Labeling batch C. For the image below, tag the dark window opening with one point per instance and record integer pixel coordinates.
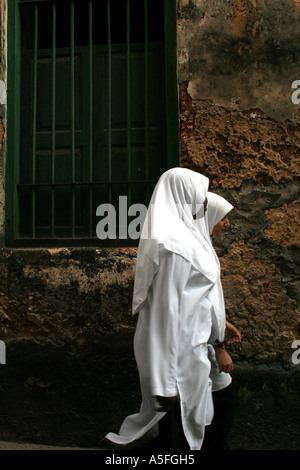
(94, 112)
(138, 12)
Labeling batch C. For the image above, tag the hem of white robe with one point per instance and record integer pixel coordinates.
(123, 440)
(223, 386)
(164, 392)
(207, 423)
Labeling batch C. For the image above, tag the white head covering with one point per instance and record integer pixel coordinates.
(169, 225)
(217, 209)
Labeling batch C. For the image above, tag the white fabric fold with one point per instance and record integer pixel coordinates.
(179, 298)
(170, 346)
(179, 194)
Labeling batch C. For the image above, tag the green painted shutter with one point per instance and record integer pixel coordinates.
(98, 112)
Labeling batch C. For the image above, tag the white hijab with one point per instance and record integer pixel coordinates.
(169, 224)
(217, 209)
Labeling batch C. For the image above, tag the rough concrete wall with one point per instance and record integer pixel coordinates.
(61, 294)
(243, 54)
(237, 60)
(239, 126)
(65, 317)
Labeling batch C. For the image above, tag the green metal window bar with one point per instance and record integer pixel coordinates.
(116, 140)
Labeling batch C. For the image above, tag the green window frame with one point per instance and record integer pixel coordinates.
(92, 114)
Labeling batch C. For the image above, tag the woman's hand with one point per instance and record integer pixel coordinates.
(224, 360)
(232, 333)
(165, 403)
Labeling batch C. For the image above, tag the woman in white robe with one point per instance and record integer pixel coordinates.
(224, 395)
(179, 298)
(217, 222)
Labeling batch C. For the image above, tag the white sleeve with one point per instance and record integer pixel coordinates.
(167, 291)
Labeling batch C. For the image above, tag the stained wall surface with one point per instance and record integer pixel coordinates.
(237, 61)
(239, 125)
(65, 313)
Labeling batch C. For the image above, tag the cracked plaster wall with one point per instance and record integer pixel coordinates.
(238, 126)
(237, 60)
(65, 314)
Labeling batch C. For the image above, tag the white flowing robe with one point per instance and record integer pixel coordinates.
(179, 298)
(170, 346)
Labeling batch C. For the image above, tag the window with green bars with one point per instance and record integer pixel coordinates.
(92, 111)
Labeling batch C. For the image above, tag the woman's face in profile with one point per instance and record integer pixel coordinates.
(220, 227)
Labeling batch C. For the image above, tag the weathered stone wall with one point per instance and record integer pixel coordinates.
(243, 54)
(65, 314)
(261, 251)
(237, 60)
(239, 126)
